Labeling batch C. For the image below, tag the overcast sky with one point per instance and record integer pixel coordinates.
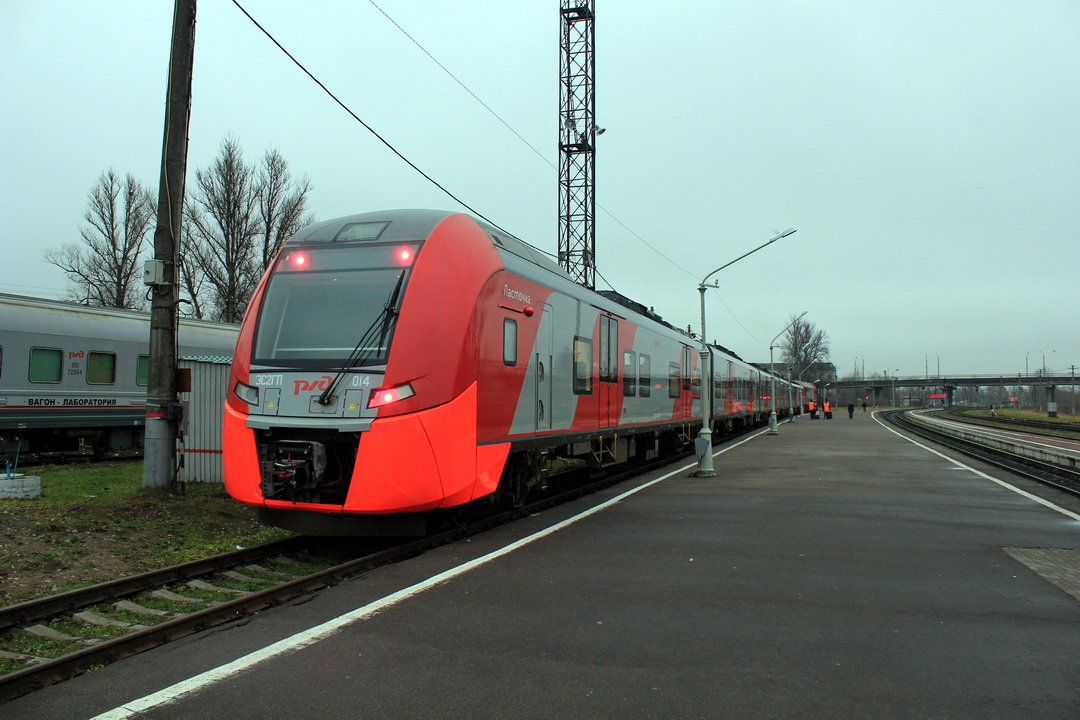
(928, 151)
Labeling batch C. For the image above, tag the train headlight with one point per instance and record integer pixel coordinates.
(247, 393)
(386, 396)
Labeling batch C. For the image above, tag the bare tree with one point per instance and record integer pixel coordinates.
(282, 204)
(224, 227)
(105, 268)
(192, 278)
(238, 217)
(804, 345)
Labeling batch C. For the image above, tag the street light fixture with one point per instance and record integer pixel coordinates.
(704, 438)
(772, 373)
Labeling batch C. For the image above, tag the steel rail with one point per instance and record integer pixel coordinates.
(1057, 476)
(35, 677)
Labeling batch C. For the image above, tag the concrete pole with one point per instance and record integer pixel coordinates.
(772, 396)
(704, 438)
(162, 408)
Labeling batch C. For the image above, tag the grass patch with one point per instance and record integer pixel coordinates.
(1030, 415)
(96, 522)
(23, 643)
(8, 665)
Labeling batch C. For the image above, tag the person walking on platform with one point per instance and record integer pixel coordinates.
(864, 406)
(850, 410)
(813, 409)
(827, 407)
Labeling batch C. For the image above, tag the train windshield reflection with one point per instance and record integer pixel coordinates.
(312, 317)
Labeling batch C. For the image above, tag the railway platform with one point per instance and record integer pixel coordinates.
(835, 570)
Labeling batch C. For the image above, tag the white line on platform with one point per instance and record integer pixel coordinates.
(1002, 483)
(320, 632)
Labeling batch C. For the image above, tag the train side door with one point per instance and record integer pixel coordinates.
(545, 351)
(686, 394)
(609, 392)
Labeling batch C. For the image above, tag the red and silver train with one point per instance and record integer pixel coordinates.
(395, 363)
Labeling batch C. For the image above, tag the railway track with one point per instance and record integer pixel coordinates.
(124, 617)
(1056, 429)
(1058, 476)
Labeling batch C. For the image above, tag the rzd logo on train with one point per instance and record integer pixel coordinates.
(321, 384)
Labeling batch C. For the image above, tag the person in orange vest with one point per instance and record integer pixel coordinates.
(813, 409)
(827, 407)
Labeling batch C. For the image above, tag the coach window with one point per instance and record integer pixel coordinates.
(101, 368)
(509, 341)
(673, 380)
(644, 376)
(629, 374)
(142, 370)
(582, 366)
(1, 361)
(45, 365)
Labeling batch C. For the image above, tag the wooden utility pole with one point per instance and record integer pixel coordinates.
(162, 273)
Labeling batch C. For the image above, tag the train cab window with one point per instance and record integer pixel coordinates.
(101, 368)
(644, 376)
(142, 370)
(45, 365)
(686, 369)
(510, 341)
(582, 366)
(629, 374)
(674, 384)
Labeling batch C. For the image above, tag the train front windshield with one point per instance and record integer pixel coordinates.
(320, 303)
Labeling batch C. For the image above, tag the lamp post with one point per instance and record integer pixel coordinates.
(772, 375)
(704, 438)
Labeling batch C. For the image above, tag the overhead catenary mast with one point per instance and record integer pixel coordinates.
(577, 136)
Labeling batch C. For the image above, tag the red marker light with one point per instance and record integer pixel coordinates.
(404, 256)
(298, 261)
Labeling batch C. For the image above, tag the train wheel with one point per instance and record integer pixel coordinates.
(522, 473)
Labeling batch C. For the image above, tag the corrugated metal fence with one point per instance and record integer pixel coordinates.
(204, 412)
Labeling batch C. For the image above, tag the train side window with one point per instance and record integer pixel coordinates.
(686, 369)
(510, 335)
(644, 376)
(142, 370)
(582, 366)
(45, 365)
(1, 361)
(101, 368)
(629, 374)
(695, 382)
(674, 381)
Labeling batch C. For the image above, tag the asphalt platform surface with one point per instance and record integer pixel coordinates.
(835, 570)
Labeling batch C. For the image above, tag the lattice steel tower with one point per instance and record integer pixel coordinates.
(577, 136)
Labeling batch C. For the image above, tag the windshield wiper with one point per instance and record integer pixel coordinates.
(364, 349)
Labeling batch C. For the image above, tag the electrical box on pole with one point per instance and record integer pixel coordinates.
(577, 140)
(162, 274)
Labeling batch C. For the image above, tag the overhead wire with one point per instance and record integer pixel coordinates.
(370, 129)
(539, 154)
(483, 104)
